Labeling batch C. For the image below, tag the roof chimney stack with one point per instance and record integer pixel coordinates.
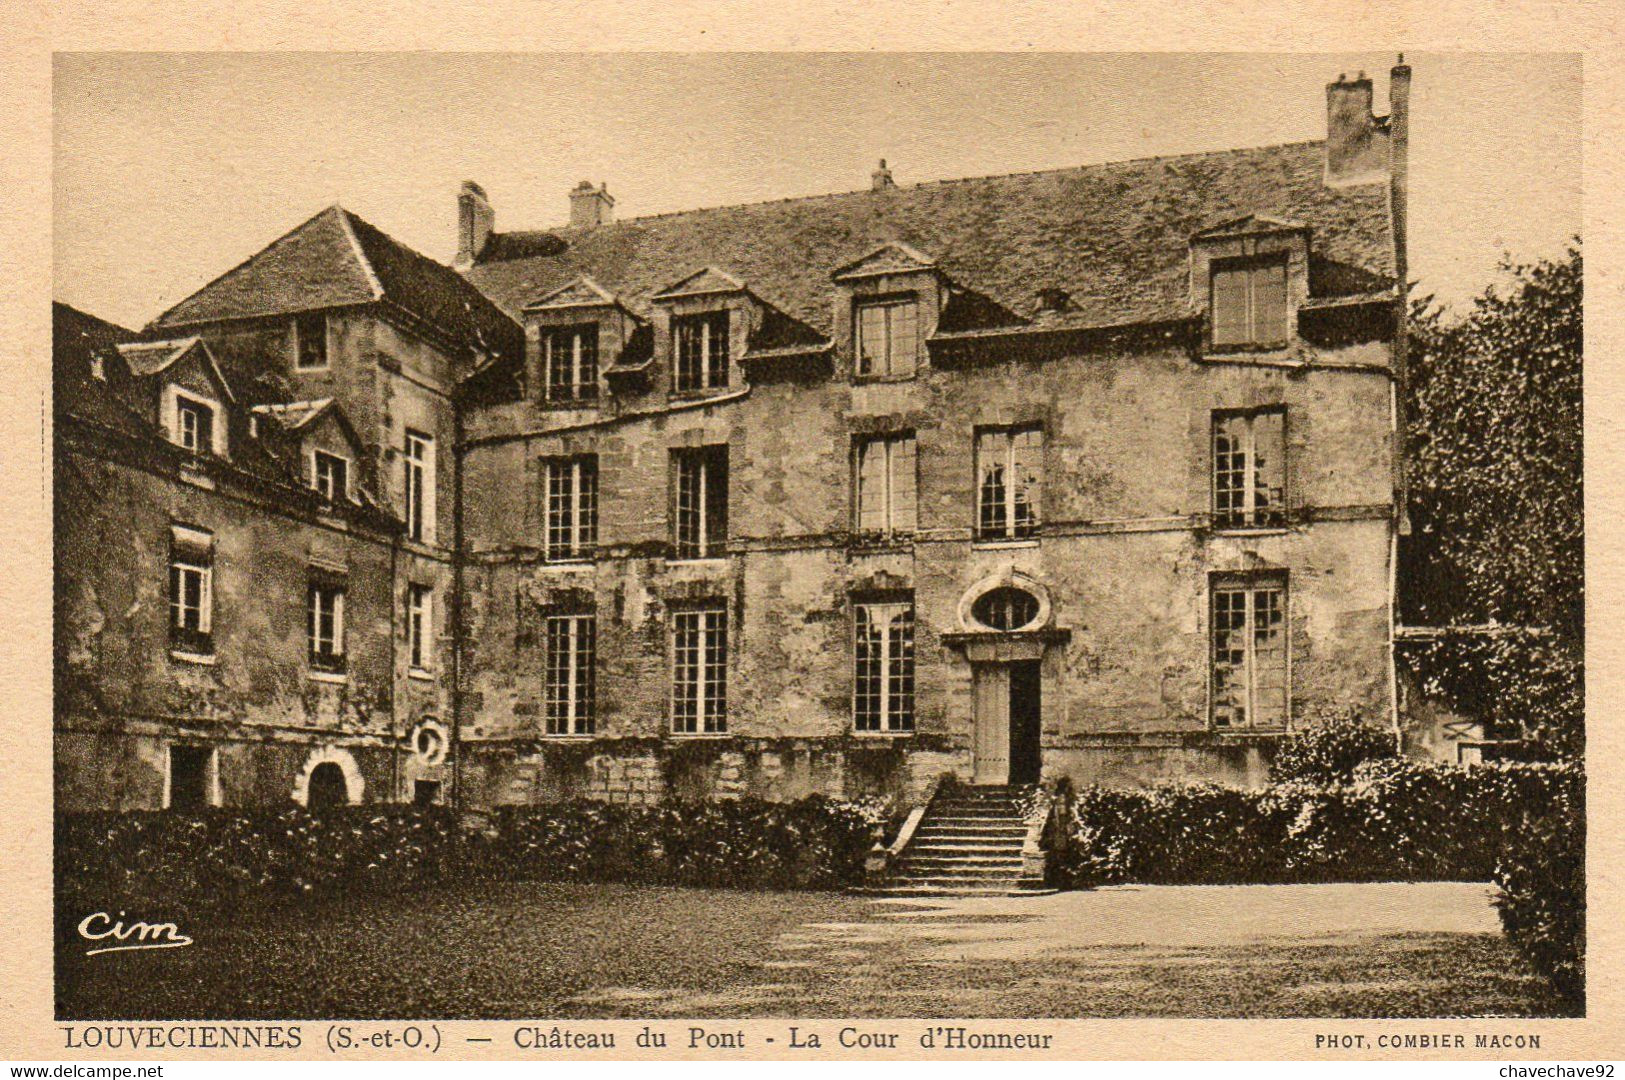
(591, 206)
(880, 179)
(475, 220)
(1356, 140)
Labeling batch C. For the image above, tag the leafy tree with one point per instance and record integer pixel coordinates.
(1496, 489)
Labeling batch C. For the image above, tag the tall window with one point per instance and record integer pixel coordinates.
(699, 664)
(886, 485)
(325, 629)
(1009, 487)
(419, 625)
(311, 332)
(700, 498)
(330, 475)
(883, 692)
(1249, 469)
(571, 362)
(702, 351)
(888, 337)
(194, 425)
(192, 774)
(1249, 302)
(572, 507)
(1249, 634)
(419, 486)
(572, 656)
(191, 591)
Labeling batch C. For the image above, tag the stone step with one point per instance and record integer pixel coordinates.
(991, 825)
(1009, 851)
(971, 873)
(980, 857)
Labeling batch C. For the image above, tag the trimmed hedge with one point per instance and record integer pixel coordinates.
(227, 859)
(1521, 826)
(1328, 752)
(1396, 820)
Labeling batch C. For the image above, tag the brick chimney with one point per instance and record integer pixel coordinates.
(475, 220)
(880, 179)
(591, 206)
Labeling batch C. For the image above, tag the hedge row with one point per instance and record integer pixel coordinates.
(1521, 826)
(226, 859)
(1395, 820)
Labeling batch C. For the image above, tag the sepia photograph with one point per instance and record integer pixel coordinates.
(639, 536)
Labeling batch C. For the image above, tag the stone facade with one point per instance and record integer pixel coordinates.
(1076, 306)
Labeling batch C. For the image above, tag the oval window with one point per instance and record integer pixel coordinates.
(1005, 608)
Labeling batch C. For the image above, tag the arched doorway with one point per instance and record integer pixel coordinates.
(327, 787)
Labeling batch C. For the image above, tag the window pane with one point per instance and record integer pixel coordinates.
(904, 338)
(1269, 468)
(872, 485)
(1027, 453)
(904, 509)
(991, 454)
(871, 340)
(715, 464)
(1229, 470)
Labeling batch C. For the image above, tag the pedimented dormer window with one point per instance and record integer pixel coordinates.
(888, 336)
(893, 298)
(570, 361)
(1251, 275)
(578, 334)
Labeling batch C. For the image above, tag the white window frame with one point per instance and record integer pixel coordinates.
(890, 363)
(890, 447)
(892, 717)
(1006, 441)
(1250, 514)
(703, 545)
(174, 396)
(710, 681)
(314, 614)
(419, 627)
(570, 679)
(180, 566)
(580, 504)
(326, 490)
(580, 389)
(1250, 586)
(417, 459)
(711, 376)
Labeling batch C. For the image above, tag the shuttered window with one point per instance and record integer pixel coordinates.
(886, 496)
(1249, 303)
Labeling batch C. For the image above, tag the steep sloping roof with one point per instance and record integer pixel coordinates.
(336, 259)
(294, 415)
(1115, 237)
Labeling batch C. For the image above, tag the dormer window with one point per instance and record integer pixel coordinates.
(570, 360)
(1249, 302)
(194, 425)
(700, 345)
(888, 335)
(330, 475)
(311, 331)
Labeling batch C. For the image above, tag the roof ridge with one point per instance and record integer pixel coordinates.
(570, 230)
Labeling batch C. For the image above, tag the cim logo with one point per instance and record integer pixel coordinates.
(124, 937)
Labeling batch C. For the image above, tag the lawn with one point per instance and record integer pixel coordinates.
(528, 950)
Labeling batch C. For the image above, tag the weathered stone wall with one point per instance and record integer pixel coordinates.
(1125, 557)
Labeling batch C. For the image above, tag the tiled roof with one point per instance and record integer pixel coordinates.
(1114, 237)
(336, 259)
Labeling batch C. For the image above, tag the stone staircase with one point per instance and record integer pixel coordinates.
(968, 844)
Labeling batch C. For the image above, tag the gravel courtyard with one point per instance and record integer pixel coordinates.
(613, 951)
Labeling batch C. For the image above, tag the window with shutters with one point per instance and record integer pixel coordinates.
(1249, 652)
(572, 656)
(1249, 303)
(1009, 484)
(883, 657)
(700, 502)
(572, 508)
(570, 361)
(1249, 468)
(700, 347)
(191, 591)
(699, 666)
(886, 484)
(888, 335)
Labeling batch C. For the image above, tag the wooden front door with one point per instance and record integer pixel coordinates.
(991, 750)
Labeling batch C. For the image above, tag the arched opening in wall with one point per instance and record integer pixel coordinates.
(327, 787)
(1005, 608)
